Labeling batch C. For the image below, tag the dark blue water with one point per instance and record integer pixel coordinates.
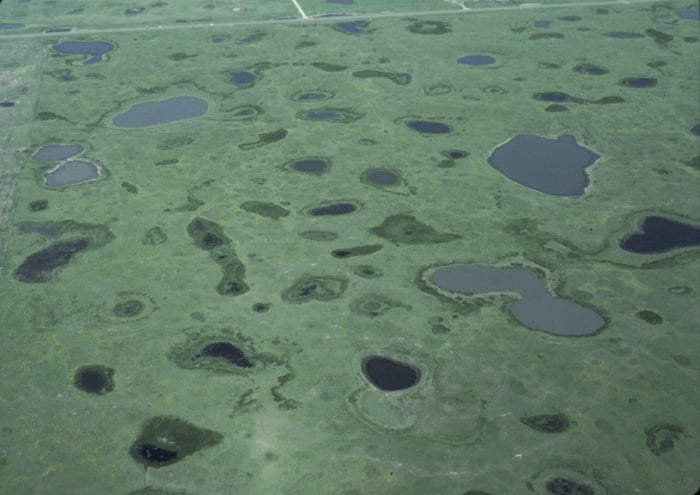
(427, 127)
(659, 235)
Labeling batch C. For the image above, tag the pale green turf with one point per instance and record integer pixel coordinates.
(305, 421)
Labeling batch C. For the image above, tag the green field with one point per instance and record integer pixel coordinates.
(205, 230)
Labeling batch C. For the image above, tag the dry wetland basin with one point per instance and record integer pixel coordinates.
(349, 247)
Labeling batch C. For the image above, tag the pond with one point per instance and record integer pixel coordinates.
(161, 112)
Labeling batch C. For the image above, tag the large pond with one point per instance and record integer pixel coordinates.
(552, 166)
(72, 173)
(57, 152)
(161, 112)
(95, 49)
(537, 309)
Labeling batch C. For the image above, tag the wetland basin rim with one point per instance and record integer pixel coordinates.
(318, 18)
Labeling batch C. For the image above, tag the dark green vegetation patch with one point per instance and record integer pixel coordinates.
(315, 288)
(132, 305)
(406, 229)
(329, 67)
(265, 209)
(373, 305)
(662, 438)
(242, 113)
(165, 440)
(129, 187)
(174, 142)
(400, 78)
(209, 236)
(38, 205)
(547, 423)
(356, 251)
(428, 27)
(330, 114)
(563, 486)
(221, 352)
(94, 379)
(650, 317)
(333, 209)
(40, 266)
(319, 235)
(226, 351)
(367, 271)
(265, 138)
(130, 308)
(154, 236)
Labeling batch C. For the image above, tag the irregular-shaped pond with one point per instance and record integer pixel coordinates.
(552, 166)
(93, 48)
(659, 235)
(537, 309)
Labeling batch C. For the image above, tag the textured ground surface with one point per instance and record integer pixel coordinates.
(204, 238)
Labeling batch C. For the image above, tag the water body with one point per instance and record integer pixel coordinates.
(314, 96)
(72, 173)
(310, 166)
(383, 178)
(334, 209)
(476, 60)
(161, 112)
(660, 235)
(537, 309)
(57, 152)
(426, 127)
(552, 96)
(93, 48)
(242, 78)
(552, 166)
(389, 375)
(352, 27)
(639, 82)
(692, 14)
(10, 25)
(7, 104)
